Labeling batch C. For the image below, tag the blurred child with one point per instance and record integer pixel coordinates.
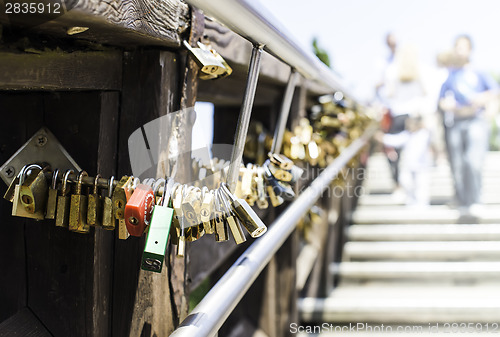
(415, 159)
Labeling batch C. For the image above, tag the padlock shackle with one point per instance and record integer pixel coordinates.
(79, 183)
(54, 178)
(111, 186)
(24, 170)
(96, 182)
(65, 182)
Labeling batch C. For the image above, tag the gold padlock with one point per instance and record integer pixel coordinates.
(94, 208)
(50, 212)
(78, 208)
(18, 208)
(206, 210)
(108, 217)
(33, 192)
(63, 202)
(119, 203)
(221, 233)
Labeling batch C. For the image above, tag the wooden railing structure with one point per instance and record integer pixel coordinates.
(94, 74)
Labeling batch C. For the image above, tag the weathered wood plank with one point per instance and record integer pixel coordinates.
(115, 22)
(93, 70)
(143, 302)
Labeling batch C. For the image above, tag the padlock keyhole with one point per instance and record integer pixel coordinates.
(27, 199)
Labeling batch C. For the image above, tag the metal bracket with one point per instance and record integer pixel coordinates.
(43, 147)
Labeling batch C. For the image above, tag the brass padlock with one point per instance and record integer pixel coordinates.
(245, 213)
(78, 208)
(119, 202)
(206, 210)
(50, 212)
(18, 208)
(33, 193)
(221, 233)
(232, 221)
(276, 200)
(108, 216)
(261, 192)
(63, 202)
(209, 63)
(94, 208)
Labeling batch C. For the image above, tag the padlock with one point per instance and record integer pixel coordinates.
(281, 161)
(33, 192)
(50, 212)
(281, 189)
(9, 194)
(280, 174)
(232, 221)
(245, 213)
(119, 202)
(220, 226)
(261, 192)
(108, 216)
(178, 193)
(18, 208)
(63, 202)
(276, 200)
(206, 210)
(139, 209)
(157, 237)
(94, 209)
(208, 62)
(78, 208)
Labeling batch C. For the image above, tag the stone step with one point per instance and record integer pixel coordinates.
(431, 215)
(427, 271)
(404, 304)
(424, 232)
(423, 251)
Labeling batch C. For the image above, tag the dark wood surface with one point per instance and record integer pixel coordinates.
(23, 324)
(57, 70)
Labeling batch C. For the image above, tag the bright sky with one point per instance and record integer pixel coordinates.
(353, 31)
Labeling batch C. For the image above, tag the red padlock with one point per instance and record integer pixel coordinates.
(139, 209)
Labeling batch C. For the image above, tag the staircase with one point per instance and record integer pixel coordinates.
(415, 271)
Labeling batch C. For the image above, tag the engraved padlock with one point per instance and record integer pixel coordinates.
(78, 208)
(63, 202)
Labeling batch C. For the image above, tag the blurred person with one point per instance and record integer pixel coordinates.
(415, 159)
(463, 98)
(404, 94)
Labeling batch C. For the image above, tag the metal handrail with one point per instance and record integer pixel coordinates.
(255, 23)
(209, 315)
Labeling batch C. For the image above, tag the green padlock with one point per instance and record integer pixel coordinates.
(159, 228)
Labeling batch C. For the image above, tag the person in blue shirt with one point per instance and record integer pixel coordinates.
(463, 98)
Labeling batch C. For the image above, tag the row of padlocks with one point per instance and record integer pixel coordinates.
(164, 209)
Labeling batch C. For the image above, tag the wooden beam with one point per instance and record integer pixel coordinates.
(114, 22)
(95, 70)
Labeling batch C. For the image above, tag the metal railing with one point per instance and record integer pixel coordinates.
(209, 315)
(255, 23)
